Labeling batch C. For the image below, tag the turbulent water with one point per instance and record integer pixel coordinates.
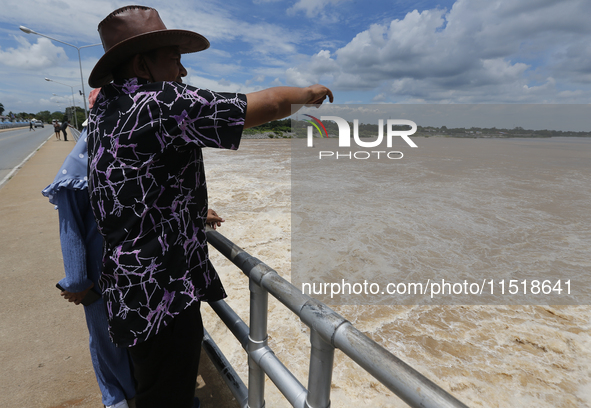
(487, 356)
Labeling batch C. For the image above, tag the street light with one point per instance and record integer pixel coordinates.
(73, 105)
(29, 31)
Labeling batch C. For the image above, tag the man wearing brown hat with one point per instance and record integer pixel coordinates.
(148, 192)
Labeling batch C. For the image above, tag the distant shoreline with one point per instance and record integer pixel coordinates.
(285, 135)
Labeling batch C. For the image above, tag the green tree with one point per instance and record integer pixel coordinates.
(45, 116)
(57, 115)
(1, 109)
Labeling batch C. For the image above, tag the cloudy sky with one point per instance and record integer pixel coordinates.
(396, 51)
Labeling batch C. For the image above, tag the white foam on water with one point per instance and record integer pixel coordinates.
(445, 218)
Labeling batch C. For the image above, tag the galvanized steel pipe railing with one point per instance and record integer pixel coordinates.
(329, 330)
(257, 345)
(264, 357)
(320, 373)
(75, 133)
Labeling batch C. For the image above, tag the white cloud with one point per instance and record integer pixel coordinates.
(320, 65)
(42, 54)
(219, 26)
(220, 85)
(574, 61)
(50, 17)
(479, 50)
(296, 77)
(239, 48)
(500, 50)
(313, 8)
(258, 78)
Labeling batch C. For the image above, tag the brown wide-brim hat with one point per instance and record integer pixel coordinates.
(135, 30)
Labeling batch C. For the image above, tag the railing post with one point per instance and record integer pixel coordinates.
(320, 374)
(257, 339)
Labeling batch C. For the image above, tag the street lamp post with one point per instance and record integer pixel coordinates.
(73, 105)
(29, 31)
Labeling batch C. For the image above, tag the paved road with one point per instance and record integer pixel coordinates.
(17, 144)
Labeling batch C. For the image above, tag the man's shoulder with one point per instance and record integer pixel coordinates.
(182, 88)
(180, 94)
(133, 86)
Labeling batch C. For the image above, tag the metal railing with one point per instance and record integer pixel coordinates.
(75, 133)
(328, 330)
(9, 125)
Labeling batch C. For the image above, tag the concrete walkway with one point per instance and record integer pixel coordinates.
(43, 339)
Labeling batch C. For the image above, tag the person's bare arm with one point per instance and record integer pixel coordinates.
(275, 103)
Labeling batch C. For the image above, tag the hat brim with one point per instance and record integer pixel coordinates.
(187, 41)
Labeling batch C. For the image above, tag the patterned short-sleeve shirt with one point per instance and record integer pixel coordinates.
(148, 193)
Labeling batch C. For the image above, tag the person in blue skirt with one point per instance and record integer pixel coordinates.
(82, 247)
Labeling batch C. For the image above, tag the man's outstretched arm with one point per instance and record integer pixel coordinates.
(275, 103)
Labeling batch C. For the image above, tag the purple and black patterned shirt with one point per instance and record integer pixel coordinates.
(148, 193)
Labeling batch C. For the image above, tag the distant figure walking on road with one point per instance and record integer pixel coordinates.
(31, 127)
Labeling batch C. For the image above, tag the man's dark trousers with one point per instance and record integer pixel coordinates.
(165, 365)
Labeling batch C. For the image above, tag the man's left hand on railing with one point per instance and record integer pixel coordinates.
(213, 219)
